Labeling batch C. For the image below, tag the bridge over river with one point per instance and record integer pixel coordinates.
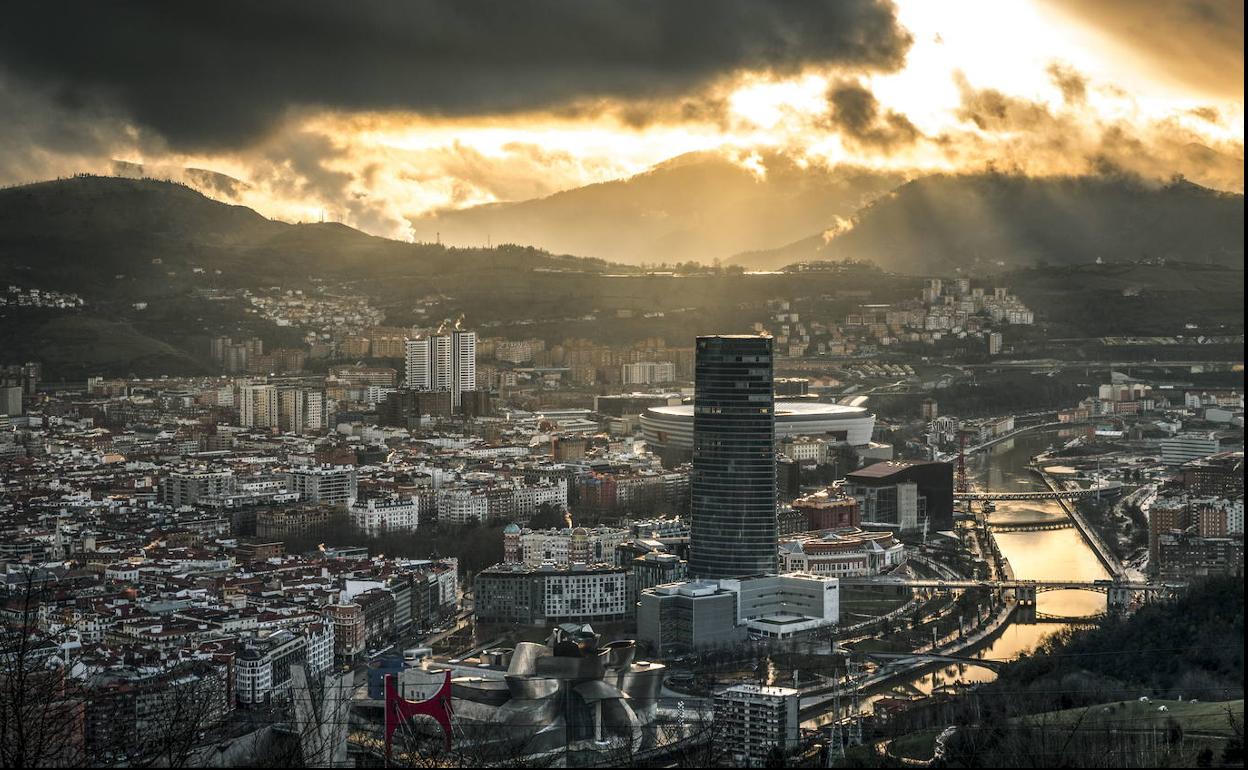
(1119, 593)
(1112, 488)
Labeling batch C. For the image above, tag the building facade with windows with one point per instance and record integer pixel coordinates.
(519, 593)
(733, 481)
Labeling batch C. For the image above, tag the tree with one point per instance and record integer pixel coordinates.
(41, 706)
(56, 713)
(548, 516)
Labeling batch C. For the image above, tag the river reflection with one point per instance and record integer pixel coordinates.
(1059, 554)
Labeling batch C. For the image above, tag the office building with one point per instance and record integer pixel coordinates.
(687, 616)
(757, 722)
(733, 482)
(908, 494)
(1186, 447)
(784, 606)
(406, 408)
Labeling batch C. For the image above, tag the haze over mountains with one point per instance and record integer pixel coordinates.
(697, 207)
(990, 222)
(706, 208)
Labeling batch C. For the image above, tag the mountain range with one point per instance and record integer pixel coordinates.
(135, 236)
(994, 222)
(697, 207)
(706, 208)
(81, 233)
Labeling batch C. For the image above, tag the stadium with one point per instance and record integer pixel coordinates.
(670, 428)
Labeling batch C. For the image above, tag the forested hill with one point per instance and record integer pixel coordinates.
(994, 222)
(79, 234)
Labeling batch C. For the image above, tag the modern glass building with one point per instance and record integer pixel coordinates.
(733, 483)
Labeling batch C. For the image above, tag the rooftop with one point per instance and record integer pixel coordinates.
(792, 409)
(889, 467)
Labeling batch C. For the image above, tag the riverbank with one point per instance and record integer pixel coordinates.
(1103, 552)
(815, 701)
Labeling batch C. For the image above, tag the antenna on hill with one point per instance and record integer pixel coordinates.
(489, 242)
(322, 216)
(439, 237)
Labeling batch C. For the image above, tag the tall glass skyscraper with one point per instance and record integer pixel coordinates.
(734, 459)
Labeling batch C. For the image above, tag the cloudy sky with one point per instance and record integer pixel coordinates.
(379, 113)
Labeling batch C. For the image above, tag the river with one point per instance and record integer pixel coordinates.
(1059, 554)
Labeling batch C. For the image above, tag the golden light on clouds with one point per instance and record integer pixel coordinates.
(1025, 85)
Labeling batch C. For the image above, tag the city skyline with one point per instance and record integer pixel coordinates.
(622, 383)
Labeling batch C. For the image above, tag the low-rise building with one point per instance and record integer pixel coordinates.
(842, 552)
(694, 614)
(578, 593)
(378, 515)
(569, 545)
(828, 509)
(1186, 447)
(332, 484)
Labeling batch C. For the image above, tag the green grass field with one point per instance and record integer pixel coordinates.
(1212, 718)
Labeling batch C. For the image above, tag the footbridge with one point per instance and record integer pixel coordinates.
(1040, 525)
(1110, 489)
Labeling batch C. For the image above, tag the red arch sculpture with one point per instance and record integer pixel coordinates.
(399, 709)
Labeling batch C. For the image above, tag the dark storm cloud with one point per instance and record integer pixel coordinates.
(40, 138)
(856, 113)
(221, 73)
(1197, 42)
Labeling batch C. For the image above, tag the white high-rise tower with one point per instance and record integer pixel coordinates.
(464, 364)
(443, 362)
(420, 364)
